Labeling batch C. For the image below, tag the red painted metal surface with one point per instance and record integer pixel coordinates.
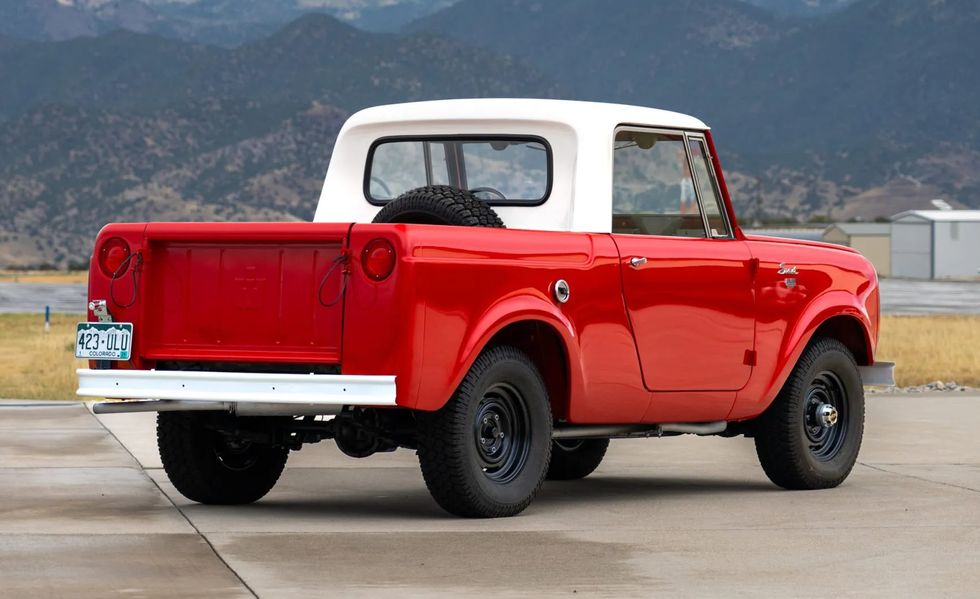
(248, 292)
(243, 301)
(692, 308)
(831, 282)
(455, 288)
(706, 330)
(233, 292)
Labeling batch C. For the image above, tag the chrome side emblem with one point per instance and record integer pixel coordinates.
(786, 270)
(562, 291)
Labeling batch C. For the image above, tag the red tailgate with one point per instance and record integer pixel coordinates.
(256, 292)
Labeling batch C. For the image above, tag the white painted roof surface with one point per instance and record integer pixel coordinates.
(570, 112)
(940, 215)
(580, 134)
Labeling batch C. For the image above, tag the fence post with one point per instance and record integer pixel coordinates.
(47, 319)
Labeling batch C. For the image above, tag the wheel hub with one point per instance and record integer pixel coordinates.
(492, 434)
(826, 415)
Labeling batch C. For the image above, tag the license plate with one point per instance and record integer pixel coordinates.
(104, 340)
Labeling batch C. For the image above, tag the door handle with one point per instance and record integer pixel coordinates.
(637, 262)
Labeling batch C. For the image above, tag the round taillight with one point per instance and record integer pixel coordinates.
(112, 255)
(378, 259)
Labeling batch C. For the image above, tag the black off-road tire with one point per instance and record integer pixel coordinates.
(206, 469)
(439, 205)
(795, 451)
(573, 459)
(456, 460)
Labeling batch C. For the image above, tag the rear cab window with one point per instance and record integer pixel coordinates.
(498, 170)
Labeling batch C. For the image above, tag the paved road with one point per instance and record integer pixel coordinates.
(930, 297)
(85, 511)
(32, 297)
(898, 297)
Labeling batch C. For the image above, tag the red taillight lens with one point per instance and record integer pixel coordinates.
(112, 254)
(378, 259)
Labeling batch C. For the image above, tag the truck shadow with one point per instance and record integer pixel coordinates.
(599, 489)
(414, 503)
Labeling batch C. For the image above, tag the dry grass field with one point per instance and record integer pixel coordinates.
(39, 365)
(43, 276)
(35, 364)
(931, 348)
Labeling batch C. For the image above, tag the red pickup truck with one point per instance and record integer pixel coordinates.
(502, 286)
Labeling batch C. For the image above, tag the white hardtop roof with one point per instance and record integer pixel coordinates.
(569, 112)
(941, 215)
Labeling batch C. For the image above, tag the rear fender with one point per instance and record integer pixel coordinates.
(434, 391)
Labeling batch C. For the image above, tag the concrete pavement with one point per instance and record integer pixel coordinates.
(85, 511)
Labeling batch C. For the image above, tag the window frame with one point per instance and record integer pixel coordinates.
(463, 138)
(687, 137)
(722, 208)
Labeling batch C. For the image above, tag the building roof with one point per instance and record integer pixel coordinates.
(940, 215)
(570, 112)
(801, 233)
(862, 228)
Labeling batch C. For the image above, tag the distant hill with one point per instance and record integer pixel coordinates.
(314, 58)
(65, 172)
(873, 91)
(57, 20)
(128, 126)
(226, 23)
(858, 111)
(801, 7)
(370, 15)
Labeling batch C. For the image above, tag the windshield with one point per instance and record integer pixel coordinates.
(498, 170)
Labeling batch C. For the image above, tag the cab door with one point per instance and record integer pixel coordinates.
(687, 282)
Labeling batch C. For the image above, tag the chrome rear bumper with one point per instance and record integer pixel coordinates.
(303, 393)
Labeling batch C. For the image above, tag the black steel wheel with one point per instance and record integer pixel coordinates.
(572, 459)
(485, 453)
(502, 435)
(825, 416)
(810, 436)
(209, 467)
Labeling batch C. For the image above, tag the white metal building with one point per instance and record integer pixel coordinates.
(936, 244)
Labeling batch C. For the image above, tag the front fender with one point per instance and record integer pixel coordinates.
(771, 373)
(442, 370)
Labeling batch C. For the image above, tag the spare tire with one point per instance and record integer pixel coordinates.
(439, 205)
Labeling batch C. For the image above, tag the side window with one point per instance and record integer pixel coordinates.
(708, 188)
(653, 189)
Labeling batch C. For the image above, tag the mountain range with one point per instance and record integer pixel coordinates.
(878, 93)
(821, 109)
(218, 22)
